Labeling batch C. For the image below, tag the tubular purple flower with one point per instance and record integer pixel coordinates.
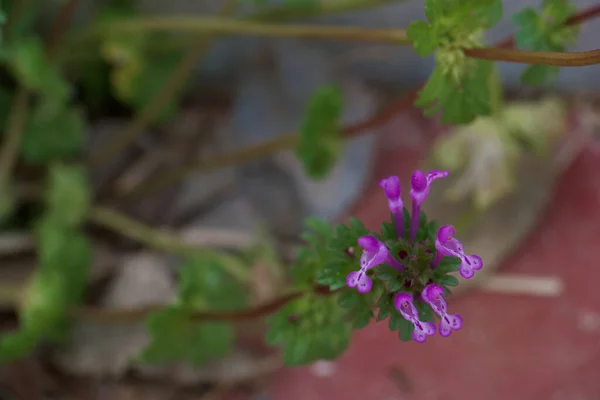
(404, 304)
(446, 245)
(434, 296)
(420, 183)
(374, 254)
(393, 192)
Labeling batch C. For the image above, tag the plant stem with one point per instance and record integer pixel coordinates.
(136, 127)
(104, 315)
(16, 121)
(230, 26)
(323, 8)
(559, 59)
(162, 240)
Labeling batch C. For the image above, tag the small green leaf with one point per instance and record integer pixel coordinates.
(425, 311)
(386, 273)
(396, 320)
(449, 280)
(309, 329)
(388, 231)
(176, 337)
(448, 264)
(205, 284)
(348, 298)
(544, 31)
(31, 69)
(538, 74)
(406, 330)
(68, 194)
(17, 345)
(320, 141)
(357, 227)
(423, 38)
(54, 131)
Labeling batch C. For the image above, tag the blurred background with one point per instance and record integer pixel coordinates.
(205, 158)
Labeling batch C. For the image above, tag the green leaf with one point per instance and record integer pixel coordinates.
(68, 195)
(423, 38)
(54, 131)
(448, 264)
(490, 14)
(65, 257)
(348, 298)
(317, 256)
(58, 284)
(176, 337)
(425, 311)
(406, 330)
(309, 329)
(320, 140)
(17, 345)
(538, 74)
(544, 31)
(205, 284)
(357, 228)
(449, 280)
(386, 273)
(459, 104)
(31, 69)
(396, 320)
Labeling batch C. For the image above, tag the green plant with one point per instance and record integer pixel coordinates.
(404, 270)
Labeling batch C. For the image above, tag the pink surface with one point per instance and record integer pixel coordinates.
(510, 346)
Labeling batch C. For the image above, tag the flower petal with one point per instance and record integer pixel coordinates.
(391, 187)
(475, 261)
(466, 270)
(423, 330)
(449, 323)
(369, 243)
(445, 233)
(360, 281)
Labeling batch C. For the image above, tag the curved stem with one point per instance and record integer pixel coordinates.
(559, 59)
(104, 315)
(323, 8)
(230, 26)
(163, 240)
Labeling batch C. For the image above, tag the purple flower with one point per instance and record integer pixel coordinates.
(446, 245)
(391, 187)
(420, 190)
(374, 254)
(433, 295)
(404, 304)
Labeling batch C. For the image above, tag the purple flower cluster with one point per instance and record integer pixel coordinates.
(376, 253)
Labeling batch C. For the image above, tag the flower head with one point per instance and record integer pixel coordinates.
(404, 304)
(447, 245)
(374, 254)
(421, 182)
(434, 296)
(393, 192)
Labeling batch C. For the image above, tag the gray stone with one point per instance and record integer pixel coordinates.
(103, 350)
